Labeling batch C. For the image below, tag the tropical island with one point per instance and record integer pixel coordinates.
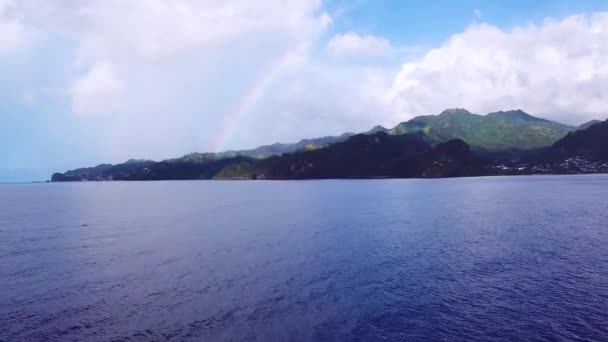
(454, 143)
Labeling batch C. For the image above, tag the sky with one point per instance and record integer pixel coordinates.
(91, 81)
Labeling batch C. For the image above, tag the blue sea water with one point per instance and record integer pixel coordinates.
(470, 259)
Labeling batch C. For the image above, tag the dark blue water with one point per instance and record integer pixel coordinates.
(486, 259)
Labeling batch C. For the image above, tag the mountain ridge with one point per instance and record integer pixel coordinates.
(512, 128)
(503, 130)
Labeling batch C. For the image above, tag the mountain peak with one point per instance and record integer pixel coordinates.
(452, 111)
(517, 113)
(376, 129)
(194, 157)
(138, 161)
(588, 124)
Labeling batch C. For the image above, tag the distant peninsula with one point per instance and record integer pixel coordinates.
(454, 143)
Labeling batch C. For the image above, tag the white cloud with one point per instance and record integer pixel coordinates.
(159, 29)
(319, 100)
(12, 32)
(174, 69)
(354, 45)
(557, 68)
(12, 35)
(181, 71)
(98, 92)
(138, 34)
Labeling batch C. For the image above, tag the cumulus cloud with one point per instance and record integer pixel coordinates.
(318, 100)
(173, 68)
(184, 72)
(557, 69)
(354, 45)
(98, 92)
(157, 29)
(161, 33)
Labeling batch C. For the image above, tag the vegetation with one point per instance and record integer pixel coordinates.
(427, 146)
(495, 131)
(276, 149)
(591, 143)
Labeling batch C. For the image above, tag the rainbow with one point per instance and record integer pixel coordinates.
(243, 106)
